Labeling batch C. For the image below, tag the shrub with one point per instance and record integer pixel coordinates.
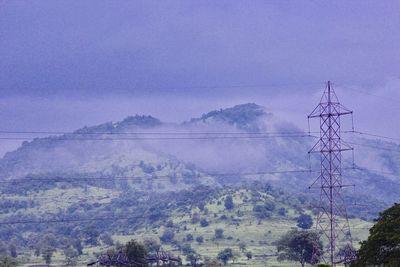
(187, 249)
(8, 261)
(170, 224)
(195, 218)
(225, 255)
(249, 255)
(189, 237)
(202, 205)
(229, 202)
(107, 239)
(167, 236)
(282, 211)
(304, 221)
(204, 223)
(242, 246)
(219, 233)
(262, 211)
(199, 239)
(136, 253)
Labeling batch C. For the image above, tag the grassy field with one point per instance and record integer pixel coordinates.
(257, 235)
(241, 226)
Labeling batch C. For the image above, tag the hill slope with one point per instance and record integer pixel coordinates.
(142, 146)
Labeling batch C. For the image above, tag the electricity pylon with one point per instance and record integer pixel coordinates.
(332, 221)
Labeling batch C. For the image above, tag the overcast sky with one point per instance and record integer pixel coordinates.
(69, 63)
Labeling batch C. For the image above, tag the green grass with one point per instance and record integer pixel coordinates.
(258, 235)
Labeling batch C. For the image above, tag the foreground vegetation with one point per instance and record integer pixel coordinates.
(382, 248)
(238, 225)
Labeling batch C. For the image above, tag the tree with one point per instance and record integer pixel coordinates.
(225, 255)
(49, 240)
(282, 211)
(382, 248)
(170, 224)
(107, 239)
(242, 246)
(136, 253)
(7, 261)
(236, 255)
(195, 218)
(304, 221)
(3, 248)
(201, 205)
(187, 249)
(189, 237)
(193, 258)
(264, 211)
(47, 255)
(348, 253)
(151, 245)
(249, 255)
(199, 239)
(299, 246)
(37, 250)
(77, 244)
(91, 234)
(70, 256)
(204, 223)
(13, 250)
(229, 202)
(167, 236)
(219, 233)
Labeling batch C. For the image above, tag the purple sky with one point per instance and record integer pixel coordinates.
(69, 63)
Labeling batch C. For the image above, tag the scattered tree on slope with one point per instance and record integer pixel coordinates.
(299, 246)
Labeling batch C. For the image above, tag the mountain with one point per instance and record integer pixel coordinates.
(244, 117)
(140, 146)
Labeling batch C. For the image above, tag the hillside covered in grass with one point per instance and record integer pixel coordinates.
(201, 222)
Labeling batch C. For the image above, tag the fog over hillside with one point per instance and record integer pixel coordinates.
(242, 143)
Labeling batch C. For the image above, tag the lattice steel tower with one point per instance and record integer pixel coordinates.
(332, 222)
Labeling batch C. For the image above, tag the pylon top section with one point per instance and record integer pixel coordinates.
(330, 99)
(329, 95)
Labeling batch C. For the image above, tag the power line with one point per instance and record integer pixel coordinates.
(214, 135)
(370, 94)
(376, 171)
(106, 218)
(375, 147)
(158, 177)
(208, 135)
(150, 133)
(373, 135)
(158, 138)
(262, 86)
(72, 179)
(71, 220)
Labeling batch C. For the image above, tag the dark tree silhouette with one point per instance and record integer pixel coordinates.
(382, 248)
(229, 202)
(299, 246)
(304, 221)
